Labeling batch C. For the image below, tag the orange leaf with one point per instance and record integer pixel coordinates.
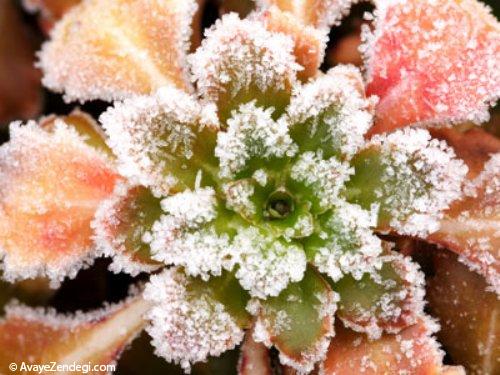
(38, 337)
(447, 71)
(50, 186)
(412, 351)
(469, 315)
(111, 49)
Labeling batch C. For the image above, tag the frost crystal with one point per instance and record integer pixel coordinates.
(187, 326)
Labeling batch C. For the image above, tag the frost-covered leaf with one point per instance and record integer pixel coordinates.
(331, 113)
(344, 243)
(309, 42)
(413, 351)
(187, 323)
(253, 140)
(470, 226)
(164, 141)
(298, 322)
(321, 14)
(20, 89)
(254, 357)
(240, 61)
(469, 315)
(50, 10)
(111, 49)
(412, 178)
(387, 298)
(51, 184)
(432, 62)
(122, 226)
(36, 336)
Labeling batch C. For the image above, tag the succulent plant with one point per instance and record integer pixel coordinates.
(255, 189)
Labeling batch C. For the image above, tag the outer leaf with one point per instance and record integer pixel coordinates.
(122, 225)
(389, 298)
(469, 315)
(20, 94)
(413, 351)
(34, 336)
(254, 357)
(470, 226)
(187, 323)
(164, 141)
(412, 177)
(299, 322)
(446, 72)
(240, 61)
(50, 186)
(111, 49)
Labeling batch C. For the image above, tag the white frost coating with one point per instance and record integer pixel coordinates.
(180, 238)
(238, 197)
(266, 265)
(340, 92)
(113, 246)
(187, 327)
(251, 133)
(326, 177)
(421, 178)
(238, 53)
(37, 170)
(146, 131)
(351, 246)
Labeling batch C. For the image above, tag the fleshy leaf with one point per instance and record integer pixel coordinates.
(51, 184)
(309, 42)
(321, 14)
(113, 49)
(240, 61)
(344, 242)
(412, 177)
(470, 226)
(469, 315)
(446, 72)
(164, 141)
(20, 88)
(254, 357)
(35, 336)
(388, 298)
(122, 224)
(413, 351)
(298, 322)
(187, 323)
(331, 113)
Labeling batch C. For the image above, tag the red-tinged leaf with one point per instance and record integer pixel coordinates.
(254, 357)
(309, 43)
(321, 14)
(122, 224)
(51, 184)
(298, 322)
(346, 51)
(469, 315)
(111, 49)
(413, 351)
(20, 89)
(432, 62)
(50, 10)
(35, 336)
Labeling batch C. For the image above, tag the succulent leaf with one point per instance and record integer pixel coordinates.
(51, 184)
(122, 224)
(112, 49)
(254, 357)
(446, 72)
(187, 323)
(412, 178)
(387, 298)
(299, 322)
(164, 141)
(36, 336)
(240, 61)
